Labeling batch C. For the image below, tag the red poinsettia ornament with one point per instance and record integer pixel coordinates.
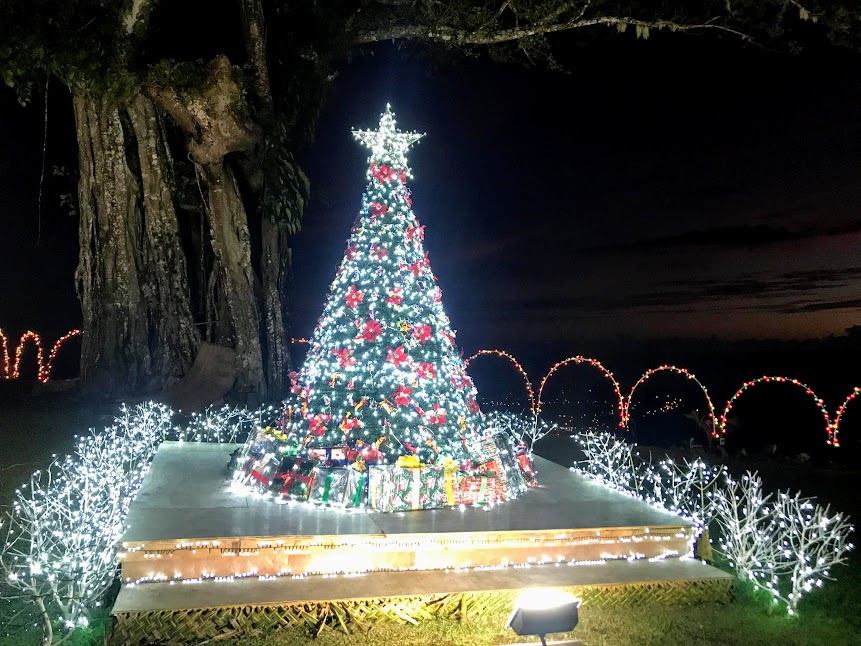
(383, 172)
(414, 232)
(417, 267)
(353, 297)
(344, 358)
(402, 395)
(397, 356)
(426, 370)
(294, 381)
(378, 210)
(438, 415)
(422, 333)
(317, 426)
(371, 330)
(396, 296)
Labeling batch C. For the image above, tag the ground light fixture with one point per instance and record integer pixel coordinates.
(541, 611)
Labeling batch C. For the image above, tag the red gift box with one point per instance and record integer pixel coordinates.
(478, 490)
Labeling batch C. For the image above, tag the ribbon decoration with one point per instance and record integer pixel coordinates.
(416, 488)
(327, 486)
(360, 486)
(449, 488)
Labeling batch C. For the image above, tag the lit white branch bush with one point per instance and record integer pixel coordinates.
(784, 544)
(813, 542)
(227, 424)
(688, 489)
(59, 541)
(521, 428)
(749, 537)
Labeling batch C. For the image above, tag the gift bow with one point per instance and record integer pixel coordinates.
(450, 465)
(409, 462)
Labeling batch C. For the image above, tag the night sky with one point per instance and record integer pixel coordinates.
(681, 186)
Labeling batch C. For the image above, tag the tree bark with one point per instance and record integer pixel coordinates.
(231, 243)
(215, 130)
(275, 267)
(115, 348)
(138, 334)
(173, 337)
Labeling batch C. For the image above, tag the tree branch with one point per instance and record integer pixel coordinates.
(255, 44)
(456, 36)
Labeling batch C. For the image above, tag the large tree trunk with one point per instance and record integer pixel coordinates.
(173, 337)
(218, 132)
(137, 329)
(231, 243)
(275, 266)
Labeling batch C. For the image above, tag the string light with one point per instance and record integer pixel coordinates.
(835, 426)
(58, 543)
(591, 362)
(502, 353)
(718, 424)
(43, 374)
(830, 430)
(777, 542)
(679, 371)
(336, 555)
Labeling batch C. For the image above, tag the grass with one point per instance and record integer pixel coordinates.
(32, 428)
(727, 625)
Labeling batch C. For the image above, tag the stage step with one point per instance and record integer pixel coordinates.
(190, 611)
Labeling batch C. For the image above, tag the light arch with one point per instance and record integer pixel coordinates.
(505, 355)
(835, 425)
(765, 379)
(591, 362)
(679, 371)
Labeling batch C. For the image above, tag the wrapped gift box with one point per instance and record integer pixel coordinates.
(478, 490)
(497, 452)
(356, 493)
(394, 488)
(260, 443)
(330, 455)
(339, 487)
(527, 466)
(294, 478)
(260, 472)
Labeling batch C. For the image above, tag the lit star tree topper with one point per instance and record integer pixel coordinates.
(382, 368)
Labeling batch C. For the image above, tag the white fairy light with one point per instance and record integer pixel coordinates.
(388, 145)
(785, 545)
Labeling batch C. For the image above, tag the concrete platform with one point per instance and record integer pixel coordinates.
(203, 561)
(186, 496)
(189, 523)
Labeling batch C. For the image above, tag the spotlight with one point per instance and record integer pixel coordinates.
(544, 610)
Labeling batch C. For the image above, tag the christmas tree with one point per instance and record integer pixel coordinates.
(382, 368)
